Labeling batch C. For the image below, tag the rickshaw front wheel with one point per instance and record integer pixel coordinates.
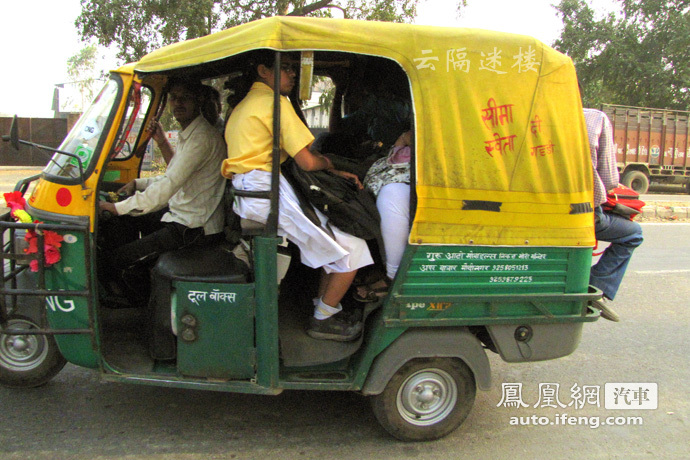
(426, 399)
(28, 361)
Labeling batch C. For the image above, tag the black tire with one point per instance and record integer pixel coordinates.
(636, 180)
(28, 361)
(426, 399)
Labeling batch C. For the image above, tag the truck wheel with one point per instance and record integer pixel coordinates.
(426, 399)
(28, 361)
(636, 180)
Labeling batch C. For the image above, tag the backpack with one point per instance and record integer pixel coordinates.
(623, 201)
(348, 208)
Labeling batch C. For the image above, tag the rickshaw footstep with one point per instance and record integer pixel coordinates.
(336, 328)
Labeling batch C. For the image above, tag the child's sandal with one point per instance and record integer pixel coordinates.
(373, 294)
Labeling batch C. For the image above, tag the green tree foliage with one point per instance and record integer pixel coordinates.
(81, 72)
(139, 26)
(639, 55)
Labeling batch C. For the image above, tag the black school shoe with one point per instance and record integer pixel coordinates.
(336, 327)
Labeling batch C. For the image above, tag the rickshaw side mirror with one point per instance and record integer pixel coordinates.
(13, 138)
(305, 74)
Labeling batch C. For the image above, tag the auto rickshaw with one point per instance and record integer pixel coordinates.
(498, 255)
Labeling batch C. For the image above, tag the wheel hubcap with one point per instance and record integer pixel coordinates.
(427, 397)
(22, 352)
(19, 343)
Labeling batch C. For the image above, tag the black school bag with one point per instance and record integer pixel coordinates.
(348, 208)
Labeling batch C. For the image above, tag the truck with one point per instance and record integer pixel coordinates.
(652, 145)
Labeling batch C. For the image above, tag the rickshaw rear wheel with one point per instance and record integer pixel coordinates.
(426, 399)
(28, 361)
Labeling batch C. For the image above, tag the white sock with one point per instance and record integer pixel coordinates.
(325, 311)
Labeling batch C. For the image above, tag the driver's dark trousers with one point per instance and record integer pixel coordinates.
(127, 259)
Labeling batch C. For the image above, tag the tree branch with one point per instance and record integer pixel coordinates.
(306, 9)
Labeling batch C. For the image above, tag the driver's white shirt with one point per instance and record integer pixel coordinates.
(192, 186)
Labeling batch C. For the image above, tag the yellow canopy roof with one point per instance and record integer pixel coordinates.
(502, 156)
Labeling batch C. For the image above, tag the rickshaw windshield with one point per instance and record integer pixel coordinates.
(85, 137)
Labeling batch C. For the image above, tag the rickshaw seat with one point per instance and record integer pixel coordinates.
(214, 263)
(247, 227)
(251, 227)
(208, 264)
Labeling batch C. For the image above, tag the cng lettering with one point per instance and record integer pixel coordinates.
(53, 303)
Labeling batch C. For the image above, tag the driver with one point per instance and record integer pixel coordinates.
(178, 208)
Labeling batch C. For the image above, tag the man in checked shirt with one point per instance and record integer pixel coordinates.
(623, 234)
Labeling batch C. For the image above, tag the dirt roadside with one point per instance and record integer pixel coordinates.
(665, 211)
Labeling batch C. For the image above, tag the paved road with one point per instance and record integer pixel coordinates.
(76, 417)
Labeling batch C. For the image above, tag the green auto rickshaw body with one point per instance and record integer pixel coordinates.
(501, 236)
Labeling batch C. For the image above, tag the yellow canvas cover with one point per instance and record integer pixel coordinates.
(502, 156)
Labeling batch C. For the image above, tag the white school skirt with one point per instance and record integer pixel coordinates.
(339, 253)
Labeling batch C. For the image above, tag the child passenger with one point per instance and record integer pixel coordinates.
(389, 180)
(249, 136)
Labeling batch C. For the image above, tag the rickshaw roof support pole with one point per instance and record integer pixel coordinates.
(267, 363)
(272, 221)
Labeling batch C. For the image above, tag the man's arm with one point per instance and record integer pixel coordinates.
(158, 193)
(128, 189)
(163, 144)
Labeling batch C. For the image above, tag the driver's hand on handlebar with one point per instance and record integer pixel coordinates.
(107, 206)
(128, 189)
